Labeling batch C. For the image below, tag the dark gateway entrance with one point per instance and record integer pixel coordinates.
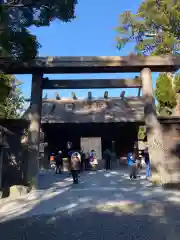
(124, 135)
(89, 64)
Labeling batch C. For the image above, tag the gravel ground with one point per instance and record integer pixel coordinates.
(135, 217)
(89, 225)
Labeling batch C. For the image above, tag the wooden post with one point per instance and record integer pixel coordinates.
(139, 92)
(34, 129)
(153, 128)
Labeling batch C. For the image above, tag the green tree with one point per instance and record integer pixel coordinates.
(5, 88)
(141, 132)
(165, 95)
(155, 31)
(17, 15)
(177, 82)
(155, 28)
(177, 90)
(16, 41)
(74, 97)
(11, 98)
(14, 103)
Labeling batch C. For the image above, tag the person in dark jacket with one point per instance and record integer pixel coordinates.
(59, 162)
(107, 158)
(86, 162)
(131, 160)
(82, 160)
(75, 166)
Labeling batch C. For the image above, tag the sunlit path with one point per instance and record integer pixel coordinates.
(95, 205)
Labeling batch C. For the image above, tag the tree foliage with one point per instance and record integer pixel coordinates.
(18, 15)
(74, 97)
(165, 94)
(11, 98)
(141, 132)
(16, 41)
(14, 103)
(155, 28)
(5, 87)
(106, 95)
(177, 83)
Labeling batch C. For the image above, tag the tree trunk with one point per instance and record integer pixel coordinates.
(154, 131)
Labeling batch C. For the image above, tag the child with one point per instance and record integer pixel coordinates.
(132, 165)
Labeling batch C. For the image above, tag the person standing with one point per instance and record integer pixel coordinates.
(86, 161)
(93, 159)
(59, 162)
(107, 158)
(70, 152)
(69, 145)
(148, 165)
(138, 164)
(132, 165)
(75, 166)
(82, 159)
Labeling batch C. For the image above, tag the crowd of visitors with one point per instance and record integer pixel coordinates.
(79, 161)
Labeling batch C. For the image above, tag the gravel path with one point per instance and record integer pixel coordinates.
(103, 206)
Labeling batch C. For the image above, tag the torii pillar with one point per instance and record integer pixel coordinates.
(34, 129)
(153, 127)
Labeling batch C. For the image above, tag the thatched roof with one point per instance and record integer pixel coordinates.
(96, 110)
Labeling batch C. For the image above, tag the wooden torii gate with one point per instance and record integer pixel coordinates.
(98, 64)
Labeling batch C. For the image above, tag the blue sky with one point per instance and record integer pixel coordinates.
(92, 33)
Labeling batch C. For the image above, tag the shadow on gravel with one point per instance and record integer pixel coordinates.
(105, 205)
(49, 179)
(147, 221)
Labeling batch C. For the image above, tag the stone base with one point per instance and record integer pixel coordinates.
(18, 190)
(172, 186)
(15, 191)
(174, 182)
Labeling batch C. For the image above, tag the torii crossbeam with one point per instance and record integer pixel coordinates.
(99, 64)
(92, 83)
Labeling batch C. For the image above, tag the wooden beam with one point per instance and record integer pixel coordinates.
(98, 64)
(92, 84)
